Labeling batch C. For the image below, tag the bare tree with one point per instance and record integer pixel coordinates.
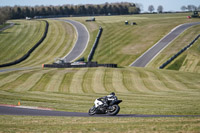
(183, 8)
(151, 8)
(198, 8)
(191, 7)
(160, 9)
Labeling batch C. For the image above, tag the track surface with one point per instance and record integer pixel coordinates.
(6, 110)
(81, 42)
(150, 54)
(10, 25)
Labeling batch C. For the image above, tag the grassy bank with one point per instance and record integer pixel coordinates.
(59, 41)
(189, 60)
(144, 91)
(122, 44)
(91, 125)
(16, 41)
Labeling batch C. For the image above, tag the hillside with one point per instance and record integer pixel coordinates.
(122, 44)
(143, 90)
(140, 88)
(189, 60)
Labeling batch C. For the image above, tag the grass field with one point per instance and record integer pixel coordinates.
(191, 60)
(19, 39)
(122, 44)
(143, 90)
(91, 125)
(59, 41)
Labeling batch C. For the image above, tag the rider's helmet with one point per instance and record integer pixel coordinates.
(112, 93)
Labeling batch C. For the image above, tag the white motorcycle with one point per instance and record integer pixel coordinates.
(99, 108)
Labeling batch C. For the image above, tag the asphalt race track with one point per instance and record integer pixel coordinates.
(8, 110)
(150, 54)
(81, 42)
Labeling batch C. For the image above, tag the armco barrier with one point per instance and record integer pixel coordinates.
(87, 64)
(177, 54)
(24, 57)
(90, 56)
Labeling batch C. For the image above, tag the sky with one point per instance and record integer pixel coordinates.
(168, 5)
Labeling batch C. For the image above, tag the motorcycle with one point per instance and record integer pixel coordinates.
(112, 109)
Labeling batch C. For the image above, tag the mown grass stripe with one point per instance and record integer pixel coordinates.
(168, 81)
(55, 81)
(30, 82)
(18, 43)
(108, 80)
(157, 83)
(87, 81)
(146, 80)
(10, 78)
(19, 80)
(139, 81)
(69, 36)
(9, 39)
(128, 81)
(41, 84)
(45, 50)
(97, 81)
(66, 82)
(77, 79)
(117, 82)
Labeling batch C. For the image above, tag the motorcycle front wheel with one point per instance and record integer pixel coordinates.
(92, 111)
(115, 110)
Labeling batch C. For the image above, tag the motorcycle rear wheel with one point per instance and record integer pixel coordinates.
(114, 111)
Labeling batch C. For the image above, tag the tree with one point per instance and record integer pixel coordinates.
(4, 14)
(198, 8)
(151, 8)
(191, 7)
(160, 9)
(183, 8)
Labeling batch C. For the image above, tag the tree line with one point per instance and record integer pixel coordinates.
(190, 8)
(18, 12)
(159, 9)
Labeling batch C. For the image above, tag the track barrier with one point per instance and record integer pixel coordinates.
(90, 56)
(85, 64)
(177, 54)
(24, 57)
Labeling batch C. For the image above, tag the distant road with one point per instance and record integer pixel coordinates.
(6, 27)
(21, 111)
(151, 53)
(81, 42)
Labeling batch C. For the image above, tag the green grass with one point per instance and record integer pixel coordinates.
(16, 41)
(176, 65)
(143, 90)
(59, 41)
(122, 44)
(189, 58)
(91, 125)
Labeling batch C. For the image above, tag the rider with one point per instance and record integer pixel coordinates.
(107, 99)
